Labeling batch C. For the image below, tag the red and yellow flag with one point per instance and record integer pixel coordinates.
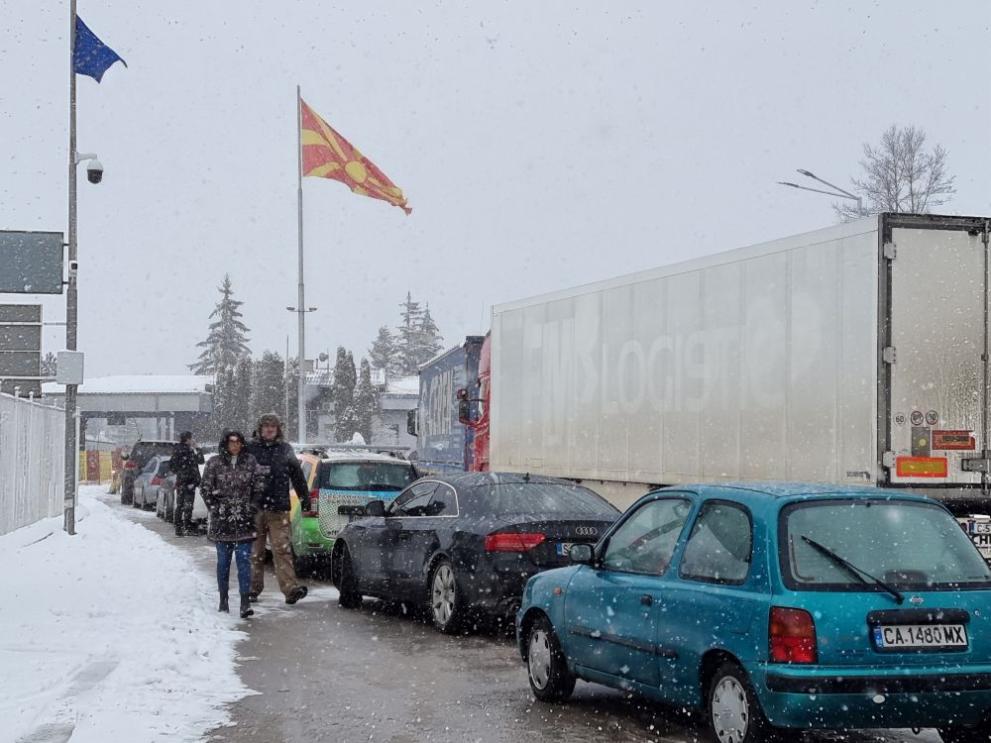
(326, 154)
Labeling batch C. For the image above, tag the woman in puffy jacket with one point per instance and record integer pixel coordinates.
(232, 486)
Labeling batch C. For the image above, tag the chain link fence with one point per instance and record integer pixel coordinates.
(31, 462)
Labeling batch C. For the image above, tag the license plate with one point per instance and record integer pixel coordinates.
(564, 549)
(913, 636)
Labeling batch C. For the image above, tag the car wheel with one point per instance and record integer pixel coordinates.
(444, 600)
(347, 586)
(732, 710)
(962, 734)
(301, 564)
(547, 669)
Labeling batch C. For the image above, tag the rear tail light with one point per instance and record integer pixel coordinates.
(156, 480)
(512, 541)
(792, 635)
(129, 465)
(314, 505)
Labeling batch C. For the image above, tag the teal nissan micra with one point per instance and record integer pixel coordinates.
(775, 606)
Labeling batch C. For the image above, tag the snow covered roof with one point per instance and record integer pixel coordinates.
(139, 384)
(403, 386)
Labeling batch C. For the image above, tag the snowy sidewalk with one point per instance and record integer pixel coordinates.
(110, 635)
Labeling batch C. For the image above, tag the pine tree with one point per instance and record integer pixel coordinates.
(342, 392)
(227, 340)
(384, 354)
(366, 402)
(268, 388)
(429, 340)
(224, 403)
(49, 365)
(408, 355)
(241, 419)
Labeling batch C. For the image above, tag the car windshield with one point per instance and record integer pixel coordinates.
(366, 476)
(542, 498)
(909, 545)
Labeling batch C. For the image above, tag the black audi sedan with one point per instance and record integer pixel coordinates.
(464, 544)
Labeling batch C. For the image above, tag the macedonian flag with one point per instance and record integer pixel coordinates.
(326, 154)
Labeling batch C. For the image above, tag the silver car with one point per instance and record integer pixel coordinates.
(149, 482)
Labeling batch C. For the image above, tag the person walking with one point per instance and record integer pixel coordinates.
(281, 468)
(185, 465)
(232, 486)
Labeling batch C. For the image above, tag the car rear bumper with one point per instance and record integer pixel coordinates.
(872, 697)
(496, 585)
(312, 542)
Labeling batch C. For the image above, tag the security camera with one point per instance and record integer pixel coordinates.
(94, 171)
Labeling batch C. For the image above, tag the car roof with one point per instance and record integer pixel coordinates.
(778, 491)
(334, 456)
(476, 479)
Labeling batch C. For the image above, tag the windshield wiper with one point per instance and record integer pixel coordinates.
(859, 573)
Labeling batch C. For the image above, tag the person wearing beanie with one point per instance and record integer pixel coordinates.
(282, 470)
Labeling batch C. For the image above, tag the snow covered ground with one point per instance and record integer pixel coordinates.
(110, 635)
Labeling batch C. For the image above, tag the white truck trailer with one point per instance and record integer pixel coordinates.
(856, 354)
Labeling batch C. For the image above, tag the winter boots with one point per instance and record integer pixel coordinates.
(223, 603)
(246, 610)
(296, 594)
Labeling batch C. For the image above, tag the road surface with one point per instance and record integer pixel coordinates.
(375, 674)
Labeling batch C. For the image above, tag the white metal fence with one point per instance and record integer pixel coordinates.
(31, 462)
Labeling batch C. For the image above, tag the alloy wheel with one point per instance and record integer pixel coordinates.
(443, 595)
(730, 710)
(539, 658)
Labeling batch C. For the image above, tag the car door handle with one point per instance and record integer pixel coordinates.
(647, 600)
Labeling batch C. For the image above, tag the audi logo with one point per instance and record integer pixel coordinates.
(587, 531)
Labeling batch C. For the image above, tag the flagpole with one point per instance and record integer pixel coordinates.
(71, 297)
(301, 304)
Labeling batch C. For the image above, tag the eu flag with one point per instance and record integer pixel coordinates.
(91, 56)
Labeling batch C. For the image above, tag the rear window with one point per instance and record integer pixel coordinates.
(145, 450)
(365, 475)
(540, 498)
(909, 545)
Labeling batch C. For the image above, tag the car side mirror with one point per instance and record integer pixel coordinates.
(375, 508)
(582, 554)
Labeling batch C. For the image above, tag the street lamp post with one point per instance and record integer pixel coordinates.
(837, 192)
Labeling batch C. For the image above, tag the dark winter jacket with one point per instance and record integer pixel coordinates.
(278, 462)
(185, 464)
(231, 491)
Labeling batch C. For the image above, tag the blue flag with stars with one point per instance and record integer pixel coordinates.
(91, 56)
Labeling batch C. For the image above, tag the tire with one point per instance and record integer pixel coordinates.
(547, 669)
(963, 734)
(445, 602)
(344, 580)
(302, 565)
(732, 711)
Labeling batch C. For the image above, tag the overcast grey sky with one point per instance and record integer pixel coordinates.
(541, 145)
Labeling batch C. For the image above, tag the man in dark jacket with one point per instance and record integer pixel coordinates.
(281, 468)
(185, 465)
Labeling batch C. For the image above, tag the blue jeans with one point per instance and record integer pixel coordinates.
(242, 553)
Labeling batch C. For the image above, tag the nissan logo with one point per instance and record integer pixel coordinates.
(586, 531)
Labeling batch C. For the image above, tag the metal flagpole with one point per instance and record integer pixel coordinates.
(71, 298)
(301, 306)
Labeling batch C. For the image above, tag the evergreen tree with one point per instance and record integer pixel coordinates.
(408, 344)
(289, 407)
(429, 340)
(342, 392)
(227, 340)
(241, 403)
(384, 354)
(49, 365)
(224, 403)
(269, 386)
(366, 402)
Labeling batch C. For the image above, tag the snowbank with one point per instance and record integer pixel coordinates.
(110, 635)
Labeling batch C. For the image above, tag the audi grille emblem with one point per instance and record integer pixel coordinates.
(586, 531)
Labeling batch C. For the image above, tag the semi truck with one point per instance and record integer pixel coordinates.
(445, 420)
(855, 354)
